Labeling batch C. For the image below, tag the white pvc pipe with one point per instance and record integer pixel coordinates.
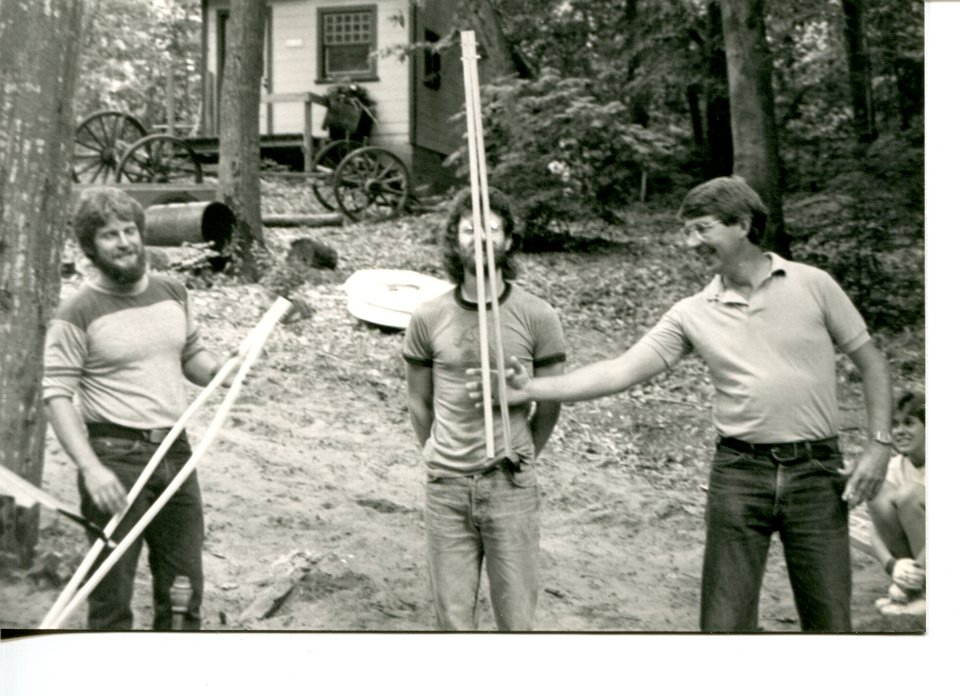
(252, 345)
(68, 591)
(474, 94)
(469, 48)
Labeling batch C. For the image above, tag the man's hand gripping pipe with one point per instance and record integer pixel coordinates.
(248, 352)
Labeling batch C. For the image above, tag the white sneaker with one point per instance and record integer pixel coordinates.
(915, 607)
(881, 602)
(897, 594)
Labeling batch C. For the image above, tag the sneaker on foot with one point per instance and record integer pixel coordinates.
(897, 594)
(915, 607)
(881, 602)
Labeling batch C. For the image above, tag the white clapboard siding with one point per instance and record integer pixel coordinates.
(294, 28)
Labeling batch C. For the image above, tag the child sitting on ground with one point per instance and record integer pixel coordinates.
(898, 513)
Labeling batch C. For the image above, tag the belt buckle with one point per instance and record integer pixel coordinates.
(798, 449)
(155, 436)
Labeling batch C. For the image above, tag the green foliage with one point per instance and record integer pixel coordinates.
(562, 153)
(812, 87)
(866, 229)
(130, 45)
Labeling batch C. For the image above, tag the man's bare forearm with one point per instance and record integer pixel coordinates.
(67, 425)
(542, 423)
(599, 379)
(421, 417)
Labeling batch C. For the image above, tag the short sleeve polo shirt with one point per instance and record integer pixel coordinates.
(771, 357)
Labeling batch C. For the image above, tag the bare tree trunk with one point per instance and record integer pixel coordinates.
(719, 134)
(861, 75)
(37, 86)
(634, 99)
(696, 118)
(239, 167)
(755, 145)
(481, 16)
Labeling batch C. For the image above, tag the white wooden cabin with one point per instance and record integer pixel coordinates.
(310, 44)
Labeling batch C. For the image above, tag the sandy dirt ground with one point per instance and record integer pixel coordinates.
(313, 497)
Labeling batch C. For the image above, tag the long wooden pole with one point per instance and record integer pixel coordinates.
(481, 203)
(469, 49)
(251, 347)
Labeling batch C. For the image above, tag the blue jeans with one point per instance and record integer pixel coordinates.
(751, 497)
(494, 516)
(174, 537)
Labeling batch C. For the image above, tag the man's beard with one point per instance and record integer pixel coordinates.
(500, 256)
(122, 275)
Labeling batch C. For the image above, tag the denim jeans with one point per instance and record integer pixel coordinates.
(751, 497)
(174, 537)
(492, 516)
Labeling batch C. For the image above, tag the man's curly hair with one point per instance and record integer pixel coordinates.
(97, 204)
(462, 205)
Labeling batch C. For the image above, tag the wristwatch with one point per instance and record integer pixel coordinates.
(883, 437)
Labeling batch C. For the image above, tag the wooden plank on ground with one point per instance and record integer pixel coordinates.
(156, 194)
(322, 220)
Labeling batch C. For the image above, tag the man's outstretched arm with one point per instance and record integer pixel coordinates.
(638, 364)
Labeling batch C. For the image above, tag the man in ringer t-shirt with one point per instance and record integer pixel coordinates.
(477, 508)
(766, 328)
(115, 358)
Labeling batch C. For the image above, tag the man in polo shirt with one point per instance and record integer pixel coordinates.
(766, 329)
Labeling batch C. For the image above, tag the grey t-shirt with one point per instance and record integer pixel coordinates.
(444, 334)
(123, 354)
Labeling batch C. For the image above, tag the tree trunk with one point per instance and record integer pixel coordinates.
(495, 53)
(37, 86)
(633, 98)
(756, 153)
(719, 135)
(909, 76)
(239, 167)
(696, 118)
(861, 75)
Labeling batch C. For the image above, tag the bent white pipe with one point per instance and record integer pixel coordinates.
(251, 347)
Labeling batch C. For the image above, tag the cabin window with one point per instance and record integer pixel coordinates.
(347, 40)
(431, 60)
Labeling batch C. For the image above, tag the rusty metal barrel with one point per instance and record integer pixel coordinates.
(192, 223)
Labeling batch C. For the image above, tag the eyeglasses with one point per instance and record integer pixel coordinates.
(697, 229)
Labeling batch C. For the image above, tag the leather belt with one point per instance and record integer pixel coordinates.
(154, 436)
(785, 452)
(504, 464)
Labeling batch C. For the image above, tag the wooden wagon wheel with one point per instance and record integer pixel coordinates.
(325, 164)
(101, 139)
(371, 183)
(160, 159)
